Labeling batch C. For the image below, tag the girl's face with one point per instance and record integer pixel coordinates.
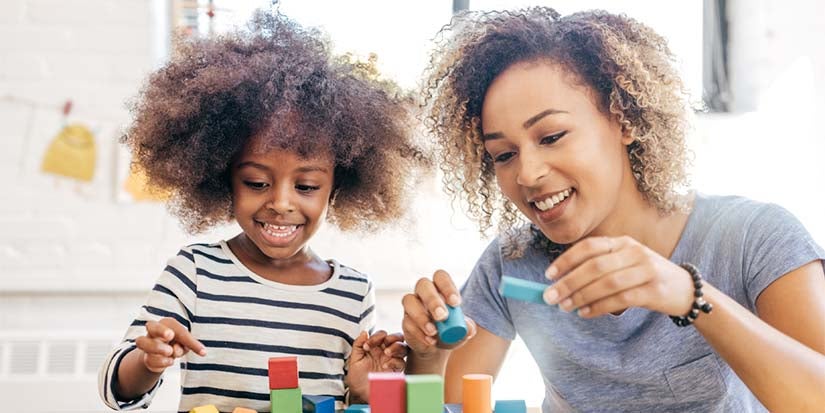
(280, 199)
(557, 157)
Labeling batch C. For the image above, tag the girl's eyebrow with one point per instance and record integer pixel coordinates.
(301, 169)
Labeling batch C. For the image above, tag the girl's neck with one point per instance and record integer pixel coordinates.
(303, 268)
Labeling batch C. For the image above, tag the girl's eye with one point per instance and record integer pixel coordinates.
(256, 185)
(307, 188)
(549, 140)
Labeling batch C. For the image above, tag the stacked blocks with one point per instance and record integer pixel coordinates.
(388, 392)
(523, 290)
(453, 328)
(319, 404)
(510, 406)
(425, 393)
(476, 393)
(284, 392)
(205, 409)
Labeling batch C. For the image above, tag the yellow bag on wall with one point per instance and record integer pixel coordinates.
(72, 153)
(138, 187)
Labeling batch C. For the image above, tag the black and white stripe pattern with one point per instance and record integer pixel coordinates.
(243, 320)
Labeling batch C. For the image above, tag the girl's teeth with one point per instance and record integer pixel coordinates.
(280, 230)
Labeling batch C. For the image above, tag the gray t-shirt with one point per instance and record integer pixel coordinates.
(640, 360)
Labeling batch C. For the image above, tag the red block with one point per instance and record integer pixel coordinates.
(283, 373)
(388, 392)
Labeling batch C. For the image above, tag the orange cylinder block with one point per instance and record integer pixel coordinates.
(476, 390)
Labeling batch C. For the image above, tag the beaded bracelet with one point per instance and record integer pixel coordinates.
(699, 302)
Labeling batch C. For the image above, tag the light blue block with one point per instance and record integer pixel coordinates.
(358, 408)
(318, 404)
(452, 408)
(454, 328)
(510, 406)
(523, 290)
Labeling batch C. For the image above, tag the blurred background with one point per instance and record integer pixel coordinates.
(81, 243)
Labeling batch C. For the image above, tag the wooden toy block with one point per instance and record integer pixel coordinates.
(425, 393)
(205, 409)
(286, 400)
(358, 408)
(523, 290)
(283, 373)
(388, 392)
(243, 410)
(453, 328)
(319, 404)
(510, 406)
(476, 393)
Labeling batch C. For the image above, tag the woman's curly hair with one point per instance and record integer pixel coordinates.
(626, 65)
(279, 80)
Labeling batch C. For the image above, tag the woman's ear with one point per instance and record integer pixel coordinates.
(627, 138)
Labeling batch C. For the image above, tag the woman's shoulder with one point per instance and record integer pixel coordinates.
(737, 210)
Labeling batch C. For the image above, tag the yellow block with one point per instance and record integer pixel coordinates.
(72, 153)
(205, 409)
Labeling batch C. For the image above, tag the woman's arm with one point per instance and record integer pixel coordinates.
(482, 354)
(780, 357)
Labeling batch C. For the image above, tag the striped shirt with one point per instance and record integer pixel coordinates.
(243, 320)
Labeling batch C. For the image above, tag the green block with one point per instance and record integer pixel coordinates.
(286, 401)
(425, 393)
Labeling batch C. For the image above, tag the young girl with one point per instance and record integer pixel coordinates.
(579, 123)
(262, 127)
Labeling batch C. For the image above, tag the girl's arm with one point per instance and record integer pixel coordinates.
(779, 355)
(482, 354)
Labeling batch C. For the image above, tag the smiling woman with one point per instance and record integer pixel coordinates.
(576, 124)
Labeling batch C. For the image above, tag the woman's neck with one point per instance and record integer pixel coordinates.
(636, 217)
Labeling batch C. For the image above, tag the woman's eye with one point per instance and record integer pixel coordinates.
(504, 157)
(548, 140)
(256, 185)
(307, 188)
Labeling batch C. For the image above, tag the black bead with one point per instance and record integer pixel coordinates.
(707, 308)
(694, 313)
(697, 284)
(696, 305)
(698, 293)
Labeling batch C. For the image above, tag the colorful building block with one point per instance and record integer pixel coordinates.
(523, 290)
(283, 373)
(425, 393)
(358, 408)
(286, 400)
(510, 406)
(205, 409)
(388, 392)
(319, 404)
(476, 393)
(453, 328)
(452, 408)
(243, 410)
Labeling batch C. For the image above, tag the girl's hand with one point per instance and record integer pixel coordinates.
(427, 305)
(603, 275)
(165, 341)
(378, 352)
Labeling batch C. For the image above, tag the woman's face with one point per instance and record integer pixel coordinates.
(557, 157)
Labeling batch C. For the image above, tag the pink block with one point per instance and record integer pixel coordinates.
(388, 392)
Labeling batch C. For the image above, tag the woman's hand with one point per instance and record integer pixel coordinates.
(426, 306)
(602, 275)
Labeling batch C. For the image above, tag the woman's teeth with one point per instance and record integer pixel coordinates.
(553, 200)
(280, 230)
